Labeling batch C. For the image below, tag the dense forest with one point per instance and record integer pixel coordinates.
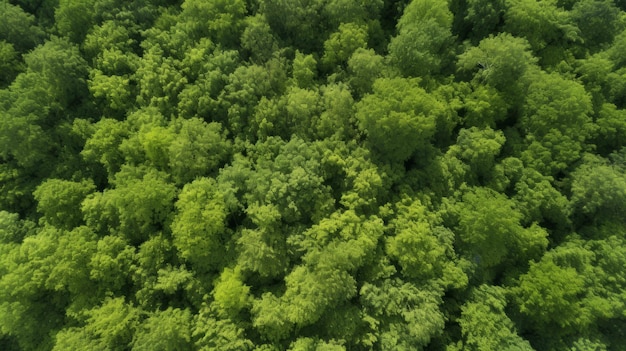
(312, 175)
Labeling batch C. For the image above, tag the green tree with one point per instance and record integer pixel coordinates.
(70, 271)
(423, 44)
(489, 230)
(484, 107)
(485, 325)
(422, 247)
(110, 35)
(10, 64)
(304, 70)
(500, 61)
(59, 201)
(343, 43)
(61, 70)
(617, 48)
(128, 209)
(159, 79)
(212, 333)
(112, 264)
(325, 279)
(344, 11)
(399, 118)
(309, 344)
(567, 289)
(24, 143)
(102, 146)
(245, 87)
(230, 293)
(30, 308)
(598, 22)
(485, 17)
(611, 129)
(298, 23)
(575, 290)
(113, 323)
(199, 228)
(402, 316)
(200, 98)
(199, 149)
(479, 149)
(598, 190)
(302, 111)
(221, 20)
(594, 72)
(34, 126)
(557, 122)
(167, 330)
(74, 338)
(73, 19)
(18, 28)
(12, 229)
(114, 90)
(337, 116)
(540, 201)
(286, 183)
(257, 38)
(547, 27)
(364, 67)
(549, 293)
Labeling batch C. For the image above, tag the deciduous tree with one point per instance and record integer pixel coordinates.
(399, 118)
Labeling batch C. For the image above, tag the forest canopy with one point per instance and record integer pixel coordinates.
(312, 175)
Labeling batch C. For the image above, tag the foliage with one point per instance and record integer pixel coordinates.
(312, 175)
(422, 45)
(399, 118)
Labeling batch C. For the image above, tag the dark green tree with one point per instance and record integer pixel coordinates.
(424, 41)
(18, 28)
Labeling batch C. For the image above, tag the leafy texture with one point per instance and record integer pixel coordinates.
(265, 175)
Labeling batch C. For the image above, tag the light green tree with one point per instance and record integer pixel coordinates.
(399, 118)
(199, 228)
(485, 325)
(199, 149)
(212, 333)
(422, 247)
(343, 43)
(479, 149)
(59, 201)
(168, 330)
